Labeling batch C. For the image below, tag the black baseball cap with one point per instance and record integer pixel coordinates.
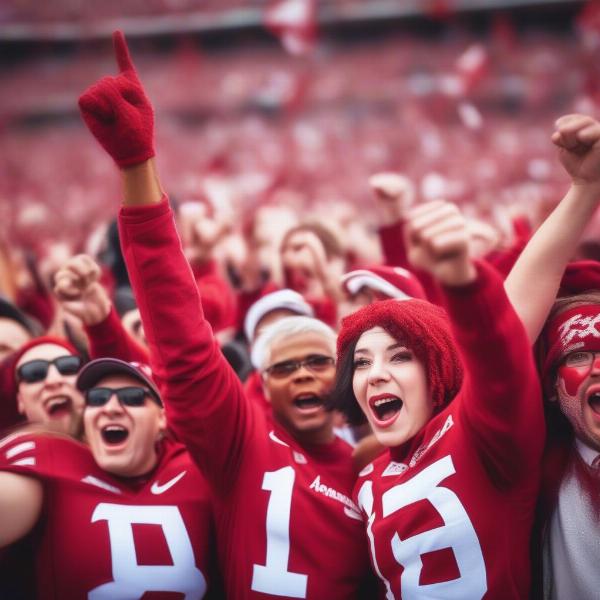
(95, 370)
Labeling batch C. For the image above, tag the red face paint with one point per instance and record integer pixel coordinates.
(573, 377)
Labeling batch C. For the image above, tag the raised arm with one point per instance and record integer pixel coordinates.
(80, 293)
(500, 401)
(204, 399)
(534, 280)
(21, 500)
(394, 196)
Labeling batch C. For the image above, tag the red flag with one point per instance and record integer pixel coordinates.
(294, 22)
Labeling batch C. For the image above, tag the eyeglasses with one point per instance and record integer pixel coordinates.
(315, 362)
(37, 370)
(127, 396)
(580, 359)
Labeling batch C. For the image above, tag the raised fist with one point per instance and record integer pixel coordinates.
(578, 138)
(200, 233)
(118, 113)
(437, 241)
(392, 186)
(395, 193)
(79, 292)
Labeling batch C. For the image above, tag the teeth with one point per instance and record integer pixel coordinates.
(382, 401)
(114, 428)
(57, 402)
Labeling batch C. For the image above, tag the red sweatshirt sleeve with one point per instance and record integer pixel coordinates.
(109, 338)
(218, 299)
(391, 238)
(500, 398)
(204, 399)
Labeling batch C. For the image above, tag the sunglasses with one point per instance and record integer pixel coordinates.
(37, 370)
(127, 396)
(317, 363)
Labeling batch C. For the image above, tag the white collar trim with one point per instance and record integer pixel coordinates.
(588, 454)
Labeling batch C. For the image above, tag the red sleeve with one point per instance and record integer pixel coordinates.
(325, 309)
(391, 238)
(204, 400)
(500, 398)
(218, 299)
(110, 338)
(505, 259)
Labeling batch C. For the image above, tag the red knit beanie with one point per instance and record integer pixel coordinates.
(424, 328)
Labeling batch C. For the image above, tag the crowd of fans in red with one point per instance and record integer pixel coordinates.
(302, 349)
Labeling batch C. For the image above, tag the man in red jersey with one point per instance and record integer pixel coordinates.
(130, 516)
(283, 511)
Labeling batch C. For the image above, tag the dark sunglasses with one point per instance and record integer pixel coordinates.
(315, 362)
(37, 370)
(127, 396)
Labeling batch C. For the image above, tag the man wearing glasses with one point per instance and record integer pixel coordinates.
(283, 507)
(125, 515)
(295, 359)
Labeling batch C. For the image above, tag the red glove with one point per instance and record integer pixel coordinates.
(118, 113)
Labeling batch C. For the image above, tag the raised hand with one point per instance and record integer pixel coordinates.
(578, 138)
(79, 292)
(437, 241)
(394, 194)
(118, 112)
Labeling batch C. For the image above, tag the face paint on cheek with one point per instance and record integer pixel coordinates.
(573, 377)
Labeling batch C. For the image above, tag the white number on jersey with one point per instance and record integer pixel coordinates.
(457, 533)
(274, 577)
(132, 580)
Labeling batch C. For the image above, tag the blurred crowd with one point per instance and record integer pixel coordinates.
(251, 355)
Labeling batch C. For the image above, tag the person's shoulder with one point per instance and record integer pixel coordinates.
(42, 453)
(176, 460)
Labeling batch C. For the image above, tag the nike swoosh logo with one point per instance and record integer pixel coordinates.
(277, 440)
(161, 489)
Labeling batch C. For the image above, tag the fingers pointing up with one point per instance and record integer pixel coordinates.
(122, 52)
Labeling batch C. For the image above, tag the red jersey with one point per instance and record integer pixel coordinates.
(449, 513)
(105, 537)
(253, 388)
(110, 338)
(286, 526)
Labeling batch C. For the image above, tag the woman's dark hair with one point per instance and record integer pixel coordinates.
(342, 397)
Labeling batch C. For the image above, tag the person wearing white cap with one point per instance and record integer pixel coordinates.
(272, 307)
(378, 282)
(264, 312)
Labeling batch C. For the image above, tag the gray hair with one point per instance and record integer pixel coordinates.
(288, 327)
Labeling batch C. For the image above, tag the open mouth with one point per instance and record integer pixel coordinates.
(385, 408)
(114, 434)
(308, 401)
(594, 402)
(58, 406)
